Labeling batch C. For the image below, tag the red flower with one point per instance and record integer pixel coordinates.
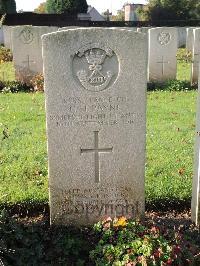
(169, 261)
(157, 254)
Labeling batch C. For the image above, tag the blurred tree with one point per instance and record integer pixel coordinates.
(66, 6)
(120, 15)
(171, 9)
(41, 9)
(7, 6)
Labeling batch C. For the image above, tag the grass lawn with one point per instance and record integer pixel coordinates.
(183, 71)
(170, 142)
(7, 71)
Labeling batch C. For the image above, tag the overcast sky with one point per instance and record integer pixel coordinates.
(100, 5)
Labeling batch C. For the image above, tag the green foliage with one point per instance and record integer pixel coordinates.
(171, 10)
(40, 245)
(14, 87)
(5, 55)
(184, 56)
(171, 85)
(111, 242)
(66, 6)
(7, 6)
(120, 16)
(126, 242)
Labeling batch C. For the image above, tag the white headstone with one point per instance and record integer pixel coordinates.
(181, 36)
(195, 57)
(7, 37)
(195, 208)
(27, 50)
(190, 39)
(95, 85)
(1, 36)
(162, 54)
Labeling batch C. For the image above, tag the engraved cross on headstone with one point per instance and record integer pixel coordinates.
(96, 150)
(163, 64)
(28, 62)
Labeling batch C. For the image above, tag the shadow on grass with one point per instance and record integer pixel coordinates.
(33, 242)
(31, 209)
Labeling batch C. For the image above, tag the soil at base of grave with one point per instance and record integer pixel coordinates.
(172, 220)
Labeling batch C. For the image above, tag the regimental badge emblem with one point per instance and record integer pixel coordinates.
(95, 66)
(26, 36)
(164, 38)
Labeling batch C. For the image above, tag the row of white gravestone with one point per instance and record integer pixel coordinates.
(162, 51)
(26, 46)
(95, 100)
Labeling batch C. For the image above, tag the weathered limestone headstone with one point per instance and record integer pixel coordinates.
(195, 208)
(1, 36)
(7, 37)
(95, 85)
(195, 57)
(190, 39)
(27, 50)
(181, 36)
(162, 54)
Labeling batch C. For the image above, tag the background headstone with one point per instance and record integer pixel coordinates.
(195, 57)
(195, 208)
(182, 33)
(190, 39)
(1, 36)
(7, 37)
(95, 85)
(27, 50)
(162, 54)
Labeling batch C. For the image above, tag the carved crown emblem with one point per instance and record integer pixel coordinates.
(164, 38)
(26, 36)
(94, 77)
(95, 58)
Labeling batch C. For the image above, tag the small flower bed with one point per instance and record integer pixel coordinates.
(5, 55)
(38, 82)
(130, 243)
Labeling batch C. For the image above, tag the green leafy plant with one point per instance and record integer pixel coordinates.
(127, 242)
(171, 85)
(184, 55)
(14, 87)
